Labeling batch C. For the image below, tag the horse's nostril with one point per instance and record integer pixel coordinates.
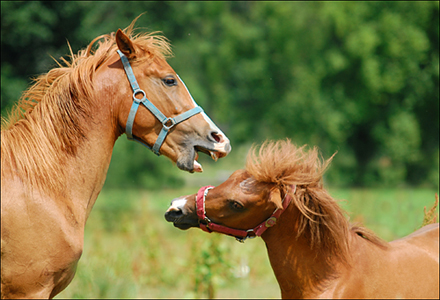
(173, 214)
(217, 137)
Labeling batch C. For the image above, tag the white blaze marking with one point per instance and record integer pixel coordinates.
(205, 116)
(177, 204)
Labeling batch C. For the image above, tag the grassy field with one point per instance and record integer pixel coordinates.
(130, 251)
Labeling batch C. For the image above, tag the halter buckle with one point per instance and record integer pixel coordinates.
(243, 239)
(271, 221)
(207, 220)
(240, 239)
(165, 126)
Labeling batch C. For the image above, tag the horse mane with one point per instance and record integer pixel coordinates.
(47, 123)
(321, 219)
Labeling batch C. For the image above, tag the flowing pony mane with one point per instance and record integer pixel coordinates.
(321, 219)
(45, 126)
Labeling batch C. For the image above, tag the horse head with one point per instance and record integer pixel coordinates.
(240, 206)
(251, 200)
(169, 122)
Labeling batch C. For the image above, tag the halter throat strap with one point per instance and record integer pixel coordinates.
(167, 123)
(240, 235)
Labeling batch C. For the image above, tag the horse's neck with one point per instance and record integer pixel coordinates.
(300, 271)
(305, 273)
(87, 170)
(84, 172)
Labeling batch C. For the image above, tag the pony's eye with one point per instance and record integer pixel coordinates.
(235, 205)
(170, 81)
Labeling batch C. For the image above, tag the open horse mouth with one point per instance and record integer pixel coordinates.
(215, 155)
(196, 166)
(188, 161)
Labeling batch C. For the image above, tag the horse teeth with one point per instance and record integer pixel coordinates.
(197, 167)
(214, 155)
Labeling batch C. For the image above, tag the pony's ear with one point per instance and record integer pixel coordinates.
(124, 44)
(275, 197)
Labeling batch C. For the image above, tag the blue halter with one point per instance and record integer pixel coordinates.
(167, 123)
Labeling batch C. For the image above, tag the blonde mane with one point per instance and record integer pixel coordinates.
(322, 220)
(46, 125)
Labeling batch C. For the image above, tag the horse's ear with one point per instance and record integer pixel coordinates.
(275, 197)
(124, 44)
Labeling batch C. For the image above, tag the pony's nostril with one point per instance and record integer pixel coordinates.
(217, 137)
(173, 214)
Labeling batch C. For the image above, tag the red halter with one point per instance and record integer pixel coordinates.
(241, 235)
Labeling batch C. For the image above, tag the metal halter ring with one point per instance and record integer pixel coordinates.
(139, 100)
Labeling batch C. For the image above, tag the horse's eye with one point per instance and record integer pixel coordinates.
(236, 205)
(170, 81)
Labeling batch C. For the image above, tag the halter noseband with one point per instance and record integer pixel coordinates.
(240, 235)
(167, 123)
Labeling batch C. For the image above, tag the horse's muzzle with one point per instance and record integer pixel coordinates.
(179, 215)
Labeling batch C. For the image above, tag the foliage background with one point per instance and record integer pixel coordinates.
(360, 78)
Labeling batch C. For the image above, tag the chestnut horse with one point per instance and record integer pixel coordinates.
(57, 145)
(313, 249)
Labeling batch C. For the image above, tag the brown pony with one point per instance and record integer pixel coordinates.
(57, 145)
(313, 249)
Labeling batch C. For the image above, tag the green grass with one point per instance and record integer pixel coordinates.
(390, 213)
(130, 251)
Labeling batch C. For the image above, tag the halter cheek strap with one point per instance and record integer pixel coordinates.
(167, 123)
(240, 235)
